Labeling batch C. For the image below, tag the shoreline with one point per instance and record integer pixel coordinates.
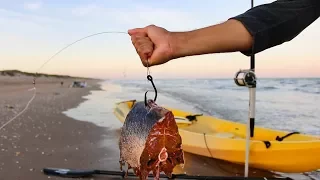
(198, 165)
(43, 136)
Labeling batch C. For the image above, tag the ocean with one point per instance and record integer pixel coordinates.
(284, 104)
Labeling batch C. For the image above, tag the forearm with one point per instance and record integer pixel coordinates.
(262, 27)
(225, 37)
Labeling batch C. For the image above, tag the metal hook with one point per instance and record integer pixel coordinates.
(149, 77)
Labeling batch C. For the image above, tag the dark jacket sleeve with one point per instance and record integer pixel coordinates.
(278, 22)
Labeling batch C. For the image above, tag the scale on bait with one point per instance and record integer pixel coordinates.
(37, 71)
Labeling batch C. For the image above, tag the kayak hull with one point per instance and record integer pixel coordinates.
(222, 139)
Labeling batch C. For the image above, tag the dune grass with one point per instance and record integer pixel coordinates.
(13, 73)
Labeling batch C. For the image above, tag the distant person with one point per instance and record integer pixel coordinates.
(61, 83)
(255, 30)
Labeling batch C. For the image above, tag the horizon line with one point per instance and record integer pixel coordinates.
(163, 78)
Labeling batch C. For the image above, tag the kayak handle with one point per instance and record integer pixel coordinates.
(278, 138)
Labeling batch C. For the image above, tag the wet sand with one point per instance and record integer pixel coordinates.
(44, 137)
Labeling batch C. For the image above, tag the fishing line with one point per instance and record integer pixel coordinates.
(106, 32)
(223, 169)
(27, 106)
(54, 55)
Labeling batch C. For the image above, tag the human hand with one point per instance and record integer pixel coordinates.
(152, 43)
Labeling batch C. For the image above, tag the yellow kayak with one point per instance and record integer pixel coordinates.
(272, 150)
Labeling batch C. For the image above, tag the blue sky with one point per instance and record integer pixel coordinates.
(32, 31)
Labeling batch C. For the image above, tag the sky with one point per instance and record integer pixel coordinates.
(32, 31)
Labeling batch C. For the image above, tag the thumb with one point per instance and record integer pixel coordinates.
(137, 30)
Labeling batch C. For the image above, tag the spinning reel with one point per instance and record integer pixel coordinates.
(245, 78)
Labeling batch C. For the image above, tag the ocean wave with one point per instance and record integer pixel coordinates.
(221, 87)
(194, 101)
(288, 81)
(269, 88)
(310, 90)
(306, 85)
(223, 99)
(259, 88)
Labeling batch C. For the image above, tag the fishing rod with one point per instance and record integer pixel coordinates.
(248, 79)
(74, 173)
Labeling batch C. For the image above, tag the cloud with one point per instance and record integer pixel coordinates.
(18, 17)
(32, 6)
(137, 15)
(85, 10)
(169, 18)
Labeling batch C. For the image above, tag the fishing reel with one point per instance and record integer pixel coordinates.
(245, 78)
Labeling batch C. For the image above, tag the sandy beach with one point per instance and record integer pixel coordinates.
(44, 137)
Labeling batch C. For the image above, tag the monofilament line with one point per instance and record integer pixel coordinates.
(27, 106)
(106, 32)
(34, 88)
